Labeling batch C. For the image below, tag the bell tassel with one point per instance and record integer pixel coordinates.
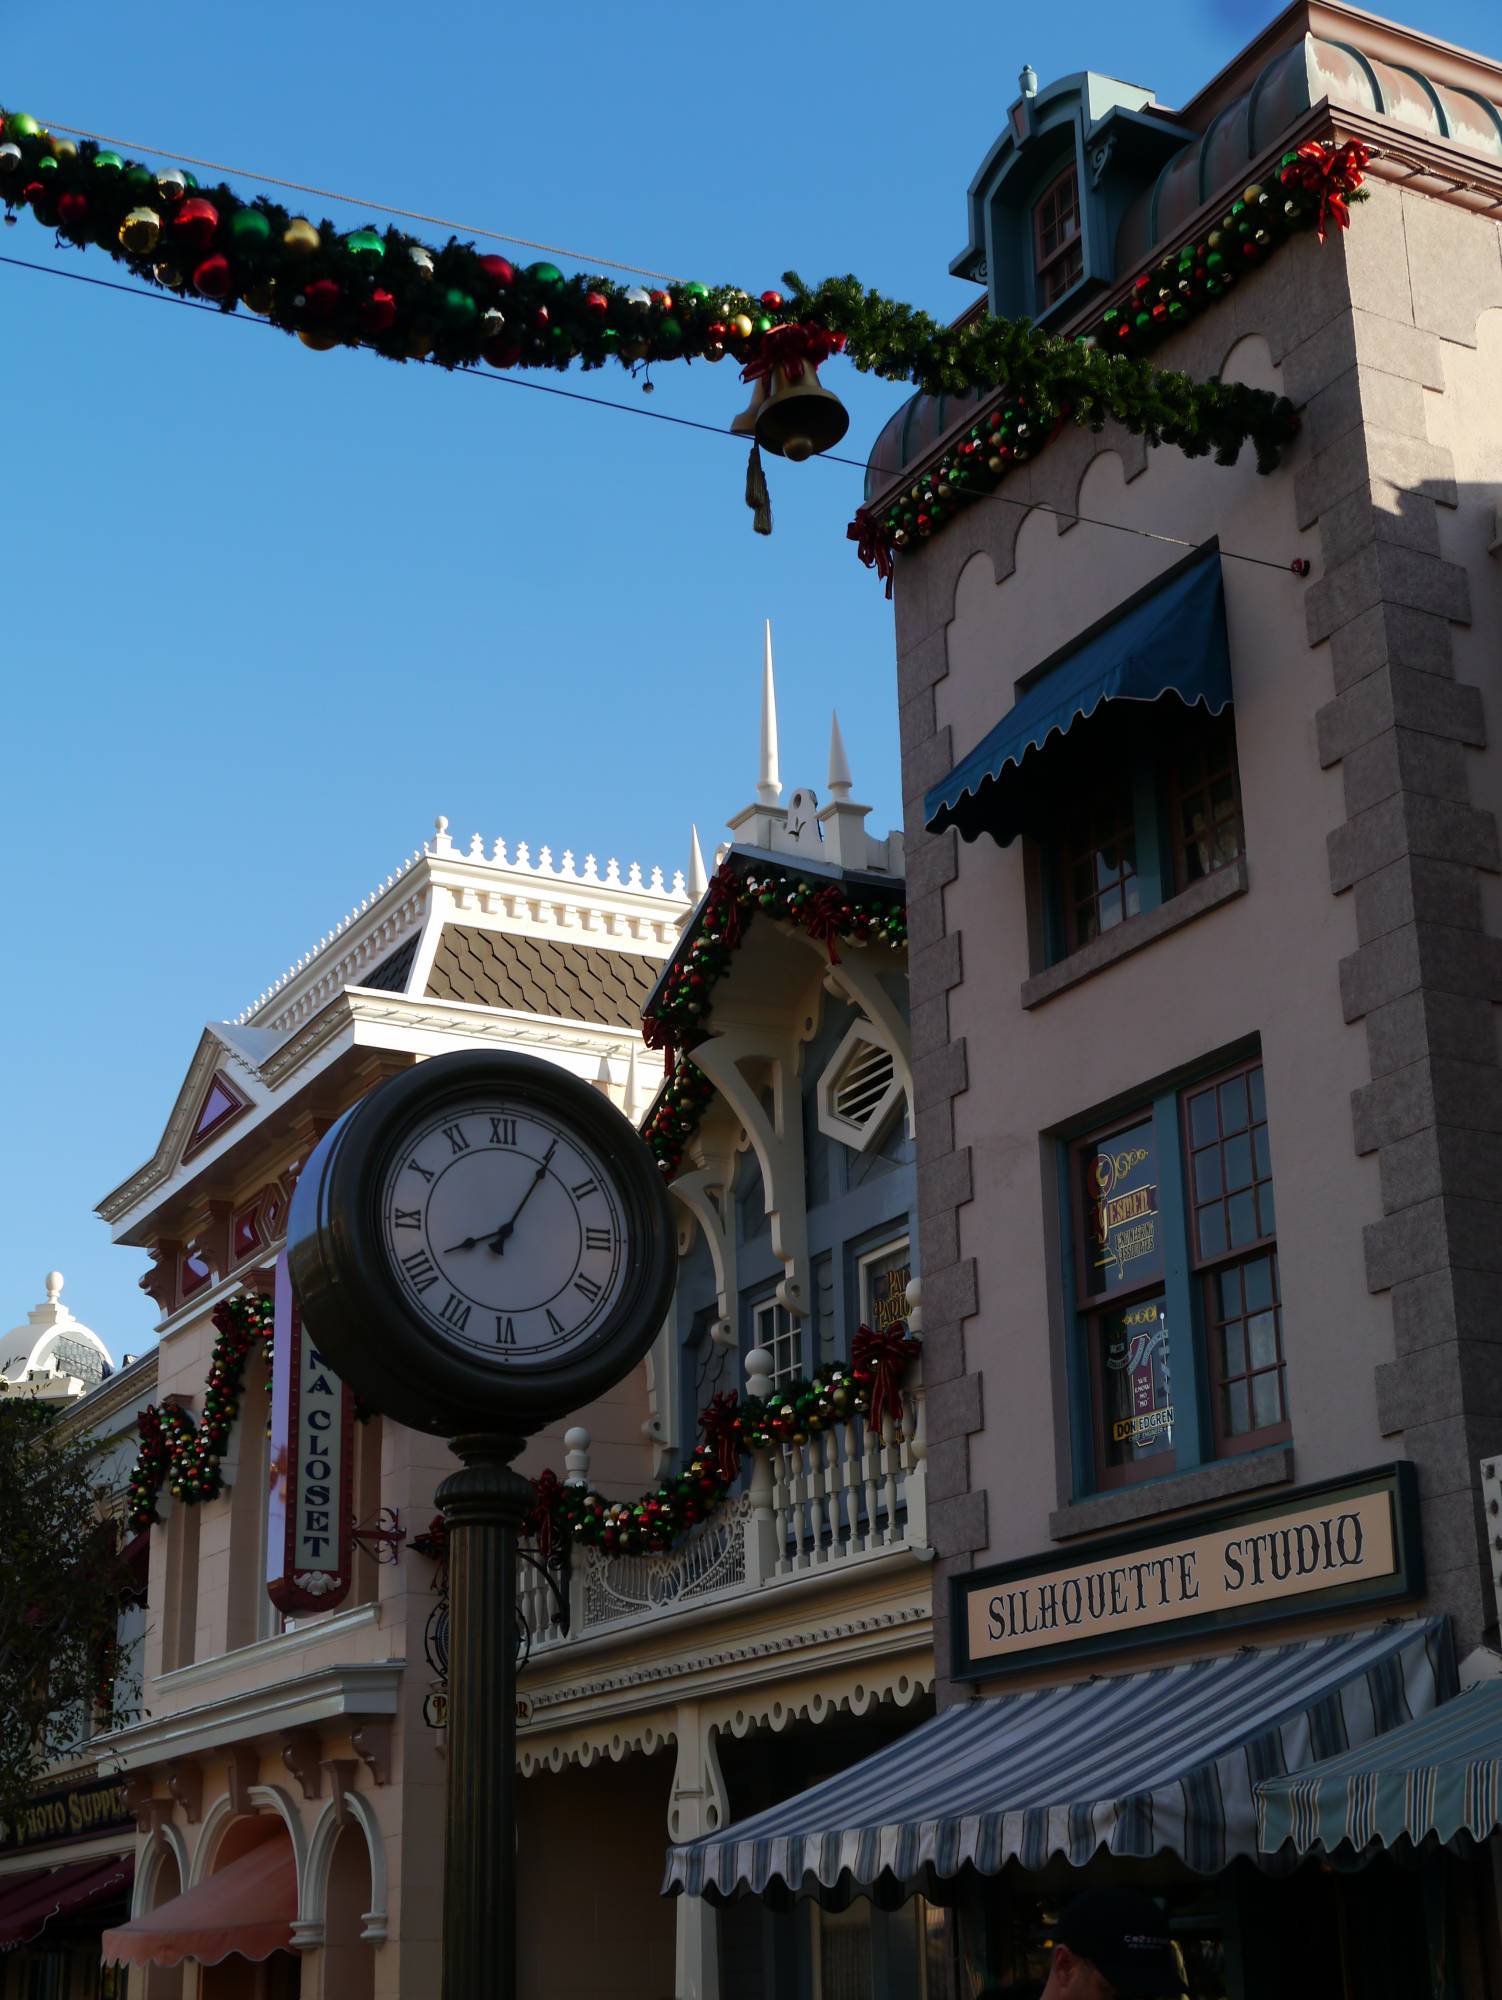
(757, 496)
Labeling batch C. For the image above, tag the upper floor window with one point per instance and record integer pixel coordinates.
(1176, 1292)
(884, 1276)
(1058, 253)
(774, 1328)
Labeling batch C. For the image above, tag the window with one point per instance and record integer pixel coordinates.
(858, 1089)
(774, 1328)
(1140, 803)
(1177, 1302)
(884, 1276)
(1058, 254)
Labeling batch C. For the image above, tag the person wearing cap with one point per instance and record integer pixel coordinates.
(1109, 1944)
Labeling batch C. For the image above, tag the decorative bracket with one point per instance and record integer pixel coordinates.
(341, 1772)
(300, 1754)
(185, 1782)
(244, 1772)
(382, 1536)
(151, 1813)
(372, 1745)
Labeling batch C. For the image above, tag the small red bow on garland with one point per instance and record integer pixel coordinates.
(543, 1518)
(828, 914)
(721, 1423)
(883, 1359)
(872, 544)
(658, 1034)
(789, 347)
(722, 910)
(1332, 173)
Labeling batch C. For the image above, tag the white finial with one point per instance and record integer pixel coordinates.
(477, 847)
(679, 887)
(498, 850)
(698, 874)
(656, 883)
(544, 860)
(603, 1078)
(613, 872)
(1027, 81)
(567, 867)
(633, 876)
(768, 786)
(839, 763)
(54, 1283)
(591, 868)
(523, 861)
(631, 1104)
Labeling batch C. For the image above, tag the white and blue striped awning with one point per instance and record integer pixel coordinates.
(1132, 1763)
(1440, 1775)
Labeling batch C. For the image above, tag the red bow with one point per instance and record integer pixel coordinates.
(789, 347)
(872, 544)
(658, 1034)
(722, 911)
(542, 1519)
(1332, 173)
(720, 1433)
(885, 1358)
(827, 916)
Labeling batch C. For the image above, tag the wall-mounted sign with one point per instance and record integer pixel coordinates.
(308, 1541)
(889, 1307)
(74, 1812)
(1349, 1543)
(1123, 1232)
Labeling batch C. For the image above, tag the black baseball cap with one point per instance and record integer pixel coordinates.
(1125, 1937)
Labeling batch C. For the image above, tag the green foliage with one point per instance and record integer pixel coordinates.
(61, 1580)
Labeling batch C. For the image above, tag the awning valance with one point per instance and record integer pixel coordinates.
(1169, 639)
(1132, 1763)
(247, 1908)
(29, 1904)
(1440, 1775)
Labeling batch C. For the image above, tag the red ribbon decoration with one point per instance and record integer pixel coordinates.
(722, 909)
(827, 915)
(720, 1437)
(872, 544)
(542, 1519)
(885, 1357)
(1332, 173)
(789, 347)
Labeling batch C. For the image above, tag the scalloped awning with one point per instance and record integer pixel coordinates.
(1168, 639)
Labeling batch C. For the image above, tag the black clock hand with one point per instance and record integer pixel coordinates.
(468, 1244)
(498, 1241)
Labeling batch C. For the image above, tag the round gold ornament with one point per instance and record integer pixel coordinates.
(741, 326)
(168, 275)
(300, 238)
(419, 344)
(318, 338)
(65, 149)
(141, 231)
(261, 296)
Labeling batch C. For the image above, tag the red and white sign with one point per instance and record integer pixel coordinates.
(308, 1541)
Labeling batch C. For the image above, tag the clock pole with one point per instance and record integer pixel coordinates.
(484, 1506)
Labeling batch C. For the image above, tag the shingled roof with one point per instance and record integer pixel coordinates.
(536, 976)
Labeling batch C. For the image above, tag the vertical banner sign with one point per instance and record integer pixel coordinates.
(308, 1540)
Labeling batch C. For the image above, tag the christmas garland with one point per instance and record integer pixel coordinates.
(453, 305)
(182, 1455)
(795, 1412)
(1316, 185)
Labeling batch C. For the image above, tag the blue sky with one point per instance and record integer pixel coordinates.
(266, 612)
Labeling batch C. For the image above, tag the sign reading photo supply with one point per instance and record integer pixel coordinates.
(1348, 1543)
(73, 1812)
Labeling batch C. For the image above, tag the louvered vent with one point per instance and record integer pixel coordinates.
(862, 1084)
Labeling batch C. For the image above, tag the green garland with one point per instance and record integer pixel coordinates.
(386, 290)
(185, 1456)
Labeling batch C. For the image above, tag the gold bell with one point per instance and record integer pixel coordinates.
(794, 416)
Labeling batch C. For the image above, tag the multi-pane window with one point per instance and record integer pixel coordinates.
(1059, 257)
(1193, 1168)
(1101, 864)
(1233, 1247)
(1205, 801)
(775, 1329)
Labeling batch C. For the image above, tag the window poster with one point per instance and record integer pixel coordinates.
(1135, 1382)
(1123, 1229)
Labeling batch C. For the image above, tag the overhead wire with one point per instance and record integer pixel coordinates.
(506, 380)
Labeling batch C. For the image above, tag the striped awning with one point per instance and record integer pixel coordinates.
(1132, 1763)
(1440, 1775)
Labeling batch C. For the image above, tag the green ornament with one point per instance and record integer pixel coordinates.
(762, 323)
(547, 275)
(367, 246)
(139, 177)
(46, 164)
(669, 331)
(694, 290)
(108, 163)
(21, 125)
(249, 228)
(459, 309)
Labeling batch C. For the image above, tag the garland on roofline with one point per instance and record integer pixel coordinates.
(453, 305)
(1314, 189)
(871, 1387)
(183, 1455)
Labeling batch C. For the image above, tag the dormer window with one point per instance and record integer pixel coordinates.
(1058, 253)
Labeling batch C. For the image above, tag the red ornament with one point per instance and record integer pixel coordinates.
(499, 270)
(377, 314)
(195, 222)
(540, 319)
(214, 278)
(73, 210)
(502, 353)
(771, 298)
(596, 303)
(321, 299)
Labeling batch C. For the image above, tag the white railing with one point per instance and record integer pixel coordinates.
(844, 1497)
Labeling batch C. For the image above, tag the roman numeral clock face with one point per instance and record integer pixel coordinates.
(503, 1231)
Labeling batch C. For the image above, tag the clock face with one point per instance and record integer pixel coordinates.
(504, 1230)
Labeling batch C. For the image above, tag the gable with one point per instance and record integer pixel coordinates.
(220, 1105)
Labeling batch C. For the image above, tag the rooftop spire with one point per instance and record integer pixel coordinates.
(839, 764)
(698, 875)
(632, 1102)
(768, 786)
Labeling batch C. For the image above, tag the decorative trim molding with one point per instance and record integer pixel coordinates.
(356, 1688)
(260, 1651)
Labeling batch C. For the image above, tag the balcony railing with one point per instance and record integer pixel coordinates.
(845, 1497)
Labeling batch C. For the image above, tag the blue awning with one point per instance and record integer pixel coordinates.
(1132, 1763)
(1169, 639)
(1440, 1775)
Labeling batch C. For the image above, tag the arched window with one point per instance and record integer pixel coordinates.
(1058, 253)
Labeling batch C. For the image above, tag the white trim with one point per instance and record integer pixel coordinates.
(313, 1904)
(356, 1688)
(221, 1813)
(862, 1033)
(259, 1651)
(149, 1866)
(878, 1254)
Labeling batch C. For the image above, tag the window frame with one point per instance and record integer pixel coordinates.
(796, 1328)
(865, 1262)
(1174, 795)
(1068, 250)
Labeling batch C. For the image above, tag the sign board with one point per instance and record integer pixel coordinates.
(73, 1812)
(308, 1541)
(1347, 1543)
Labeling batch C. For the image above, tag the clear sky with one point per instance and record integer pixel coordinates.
(264, 612)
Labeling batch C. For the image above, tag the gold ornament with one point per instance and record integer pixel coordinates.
(168, 275)
(260, 296)
(419, 344)
(741, 326)
(714, 350)
(318, 338)
(1215, 239)
(300, 238)
(1254, 192)
(141, 231)
(994, 465)
(65, 149)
